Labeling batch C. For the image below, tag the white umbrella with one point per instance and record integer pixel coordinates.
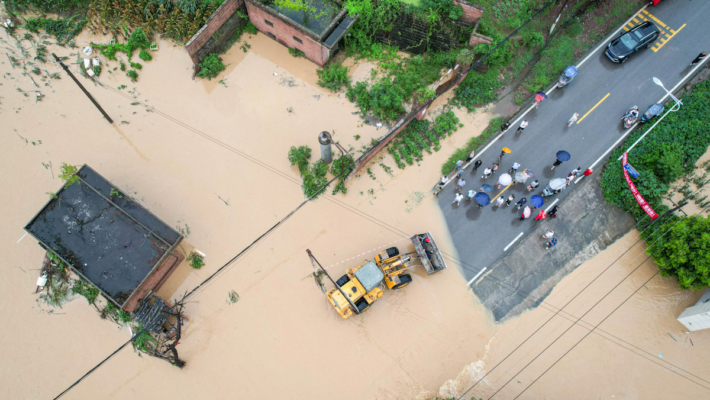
(558, 184)
(505, 179)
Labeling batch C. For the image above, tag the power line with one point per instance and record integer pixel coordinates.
(573, 323)
(585, 336)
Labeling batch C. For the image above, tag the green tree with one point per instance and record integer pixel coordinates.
(682, 250)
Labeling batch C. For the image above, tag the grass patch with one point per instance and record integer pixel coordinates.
(333, 76)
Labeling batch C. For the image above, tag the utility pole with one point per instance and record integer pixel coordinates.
(66, 69)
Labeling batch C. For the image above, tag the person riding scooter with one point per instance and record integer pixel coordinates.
(630, 117)
(567, 76)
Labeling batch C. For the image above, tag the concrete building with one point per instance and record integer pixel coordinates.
(315, 29)
(697, 317)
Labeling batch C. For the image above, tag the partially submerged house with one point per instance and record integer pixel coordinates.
(108, 239)
(314, 27)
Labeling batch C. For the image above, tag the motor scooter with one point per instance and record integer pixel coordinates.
(652, 111)
(567, 76)
(630, 117)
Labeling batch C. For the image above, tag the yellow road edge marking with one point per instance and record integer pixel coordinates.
(635, 20)
(664, 43)
(595, 106)
(626, 29)
(656, 19)
(502, 191)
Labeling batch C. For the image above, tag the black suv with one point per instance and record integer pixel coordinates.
(640, 37)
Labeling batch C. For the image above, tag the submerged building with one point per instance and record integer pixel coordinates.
(108, 239)
(313, 27)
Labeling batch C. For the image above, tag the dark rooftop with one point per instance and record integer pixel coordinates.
(314, 15)
(103, 234)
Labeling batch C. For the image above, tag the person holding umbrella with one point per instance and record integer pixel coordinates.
(482, 199)
(562, 156)
(526, 213)
(486, 188)
(536, 201)
(539, 97)
(503, 152)
(504, 180)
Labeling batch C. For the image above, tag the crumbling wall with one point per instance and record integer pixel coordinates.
(217, 33)
(471, 12)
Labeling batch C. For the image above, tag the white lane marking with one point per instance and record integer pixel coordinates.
(550, 206)
(477, 275)
(23, 236)
(511, 243)
(610, 36)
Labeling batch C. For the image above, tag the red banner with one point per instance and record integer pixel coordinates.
(642, 202)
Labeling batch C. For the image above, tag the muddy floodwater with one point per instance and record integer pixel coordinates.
(209, 158)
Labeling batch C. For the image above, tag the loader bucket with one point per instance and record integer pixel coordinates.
(429, 253)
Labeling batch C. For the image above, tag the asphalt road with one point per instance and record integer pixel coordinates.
(481, 234)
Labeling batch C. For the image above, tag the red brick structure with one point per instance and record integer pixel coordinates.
(318, 40)
(471, 12)
(217, 31)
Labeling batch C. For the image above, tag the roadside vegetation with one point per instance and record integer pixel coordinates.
(666, 155)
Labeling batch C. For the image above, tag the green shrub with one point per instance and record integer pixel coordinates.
(196, 260)
(89, 291)
(296, 53)
(342, 164)
(334, 76)
(211, 66)
(299, 157)
(558, 55)
(136, 65)
(682, 250)
(500, 57)
(477, 89)
(384, 99)
(575, 28)
(145, 55)
(132, 74)
(533, 39)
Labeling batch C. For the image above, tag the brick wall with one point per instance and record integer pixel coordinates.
(477, 38)
(285, 33)
(217, 32)
(155, 279)
(375, 150)
(471, 13)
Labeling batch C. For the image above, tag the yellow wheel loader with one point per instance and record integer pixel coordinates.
(361, 286)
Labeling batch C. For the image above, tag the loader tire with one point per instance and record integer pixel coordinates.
(404, 280)
(343, 280)
(392, 252)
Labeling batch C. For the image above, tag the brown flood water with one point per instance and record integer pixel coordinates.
(211, 157)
